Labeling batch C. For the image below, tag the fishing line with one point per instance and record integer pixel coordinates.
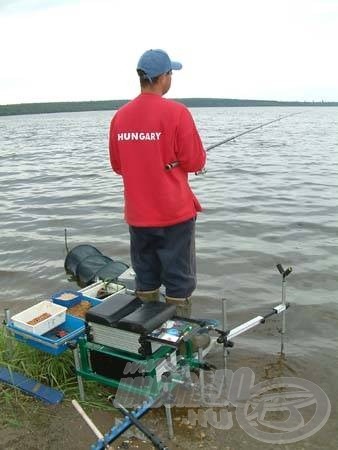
(174, 164)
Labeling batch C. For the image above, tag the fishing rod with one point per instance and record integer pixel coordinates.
(174, 164)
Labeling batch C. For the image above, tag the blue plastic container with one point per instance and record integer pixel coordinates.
(76, 297)
(50, 342)
(53, 341)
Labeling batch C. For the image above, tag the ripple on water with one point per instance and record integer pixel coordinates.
(269, 197)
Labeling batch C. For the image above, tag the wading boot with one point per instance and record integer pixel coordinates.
(183, 310)
(183, 306)
(149, 296)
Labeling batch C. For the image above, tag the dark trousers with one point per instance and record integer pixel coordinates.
(165, 255)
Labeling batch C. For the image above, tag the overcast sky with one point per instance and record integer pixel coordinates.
(71, 50)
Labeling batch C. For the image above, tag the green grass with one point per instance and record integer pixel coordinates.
(55, 371)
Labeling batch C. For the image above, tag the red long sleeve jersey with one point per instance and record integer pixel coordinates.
(145, 135)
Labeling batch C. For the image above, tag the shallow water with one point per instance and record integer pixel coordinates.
(269, 197)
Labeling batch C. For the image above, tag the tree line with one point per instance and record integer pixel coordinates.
(106, 105)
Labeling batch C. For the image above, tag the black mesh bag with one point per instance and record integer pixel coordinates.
(86, 264)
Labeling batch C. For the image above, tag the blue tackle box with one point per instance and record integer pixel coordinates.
(54, 341)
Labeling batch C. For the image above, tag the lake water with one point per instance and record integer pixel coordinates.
(269, 197)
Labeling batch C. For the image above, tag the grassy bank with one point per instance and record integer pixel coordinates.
(55, 371)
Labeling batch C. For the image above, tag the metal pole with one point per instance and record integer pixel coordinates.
(169, 421)
(224, 327)
(284, 274)
(156, 441)
(77, 368)
(166, 379)
(283, 316)
(10, 349)
(7, 315)
(201, 376)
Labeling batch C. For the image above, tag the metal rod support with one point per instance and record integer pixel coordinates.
(10, 348)
(283, 330)
(225, 324)
(245, 327)
(166, 379)
(201, 375)
(79, 378)
(168, 414)
(150, 435)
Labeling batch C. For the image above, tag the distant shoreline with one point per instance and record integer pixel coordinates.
(104, 105)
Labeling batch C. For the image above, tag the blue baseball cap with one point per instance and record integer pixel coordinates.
(156, 62)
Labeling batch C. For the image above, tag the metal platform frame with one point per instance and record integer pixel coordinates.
(225, 338)
(162, 387)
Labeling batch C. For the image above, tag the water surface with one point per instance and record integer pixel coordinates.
(269, 197)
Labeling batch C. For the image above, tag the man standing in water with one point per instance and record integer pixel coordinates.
(146, 134)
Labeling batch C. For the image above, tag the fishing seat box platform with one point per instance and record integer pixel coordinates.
(122, 321)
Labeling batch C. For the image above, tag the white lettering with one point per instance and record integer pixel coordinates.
(139, 136)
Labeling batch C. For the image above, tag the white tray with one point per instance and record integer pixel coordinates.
(57, 312)
(112, 288)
